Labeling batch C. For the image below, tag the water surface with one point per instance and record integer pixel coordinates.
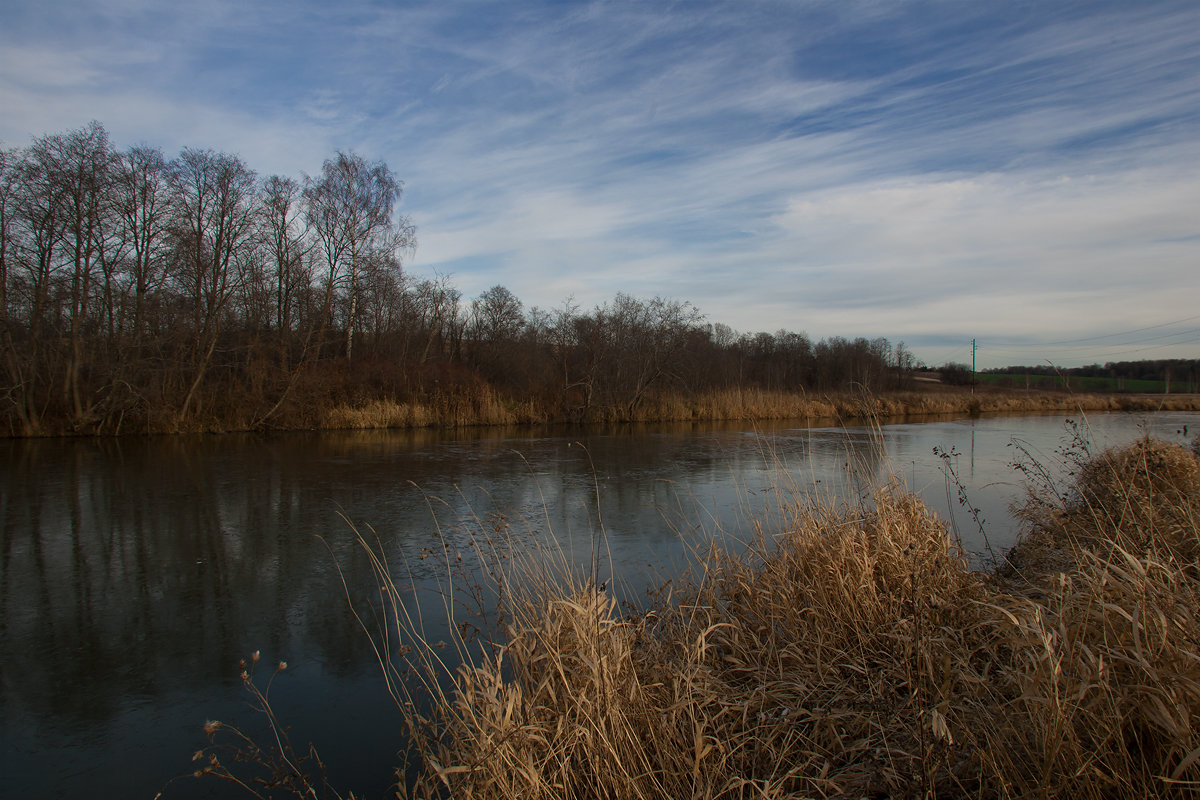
(135, 573)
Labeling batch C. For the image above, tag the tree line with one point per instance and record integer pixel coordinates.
(1182, 371)
(145, 292)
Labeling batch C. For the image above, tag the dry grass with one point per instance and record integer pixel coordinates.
(486, 407)
(1107, 697)
(854, 656)
(741, 404)
(379, 414)
(758, 404)
(442, 411)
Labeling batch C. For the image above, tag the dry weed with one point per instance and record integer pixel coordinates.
(854, 656)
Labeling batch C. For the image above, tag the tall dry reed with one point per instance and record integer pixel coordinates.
(487, 407)
(441, 411)
(856, 655)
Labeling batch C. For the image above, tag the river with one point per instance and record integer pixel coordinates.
(136, 572)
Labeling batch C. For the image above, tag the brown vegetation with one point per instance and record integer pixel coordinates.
(147, 294)
(743, 405)
(854, 656)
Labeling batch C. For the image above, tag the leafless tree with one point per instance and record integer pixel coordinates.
(214, 195)
(142, 201)
(288, 251)
(185, 292)
(15, 304)
(350, 209)
(436, 303)
(75, 169)
(624, 349)
(496, 322)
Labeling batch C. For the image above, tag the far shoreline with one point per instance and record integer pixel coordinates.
(746, 406)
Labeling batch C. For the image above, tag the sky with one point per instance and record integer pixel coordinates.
(1022, 174)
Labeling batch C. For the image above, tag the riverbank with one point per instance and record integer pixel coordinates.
(858, 656)
(483, 407)
(746, 406)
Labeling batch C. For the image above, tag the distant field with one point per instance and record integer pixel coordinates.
(1078, 383)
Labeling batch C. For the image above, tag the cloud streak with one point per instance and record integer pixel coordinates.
(921, 170)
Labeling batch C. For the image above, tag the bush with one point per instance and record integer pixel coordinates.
(954, 374)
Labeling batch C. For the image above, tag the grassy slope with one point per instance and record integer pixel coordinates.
(1077, 383)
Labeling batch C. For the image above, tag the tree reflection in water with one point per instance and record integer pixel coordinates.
(135, 573)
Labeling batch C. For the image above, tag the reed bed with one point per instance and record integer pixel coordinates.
(487, 407)
(854, 656)
(441, 411)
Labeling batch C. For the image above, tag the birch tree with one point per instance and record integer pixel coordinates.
(350, 209)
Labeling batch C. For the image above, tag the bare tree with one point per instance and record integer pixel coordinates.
(572, 341)
(643, 343)
(496, 322)
(497, 315)
(18, 395)
(8, 197)
(129, 283)
(615, 356)
(214, 194)
(143, 205)
(437, 308)
(350, 208)
(283, 232)
(75, 168)
(384, 311)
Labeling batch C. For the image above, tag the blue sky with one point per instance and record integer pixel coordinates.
(1026, 174)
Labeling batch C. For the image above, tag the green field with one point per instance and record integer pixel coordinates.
(1077, 383)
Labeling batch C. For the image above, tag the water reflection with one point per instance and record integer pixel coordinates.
(135, 573)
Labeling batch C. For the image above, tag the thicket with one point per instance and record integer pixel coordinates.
(141, 292)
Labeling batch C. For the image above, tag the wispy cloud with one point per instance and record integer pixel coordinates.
(922, 170)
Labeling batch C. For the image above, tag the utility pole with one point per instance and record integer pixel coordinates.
(972, 366)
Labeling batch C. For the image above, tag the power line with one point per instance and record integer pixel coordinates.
(1105, 335)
